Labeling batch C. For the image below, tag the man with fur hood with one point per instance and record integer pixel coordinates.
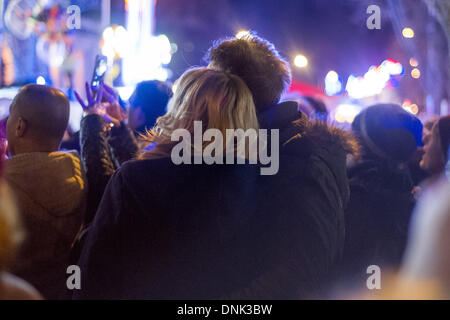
(310, 191)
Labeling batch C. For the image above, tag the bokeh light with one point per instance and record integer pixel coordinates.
(242, 33)
(415, 73)
(413, 62)
(346, 113)
(408, 33)
(333, 85)
(300, 61)
(40, 80)
(410, 107)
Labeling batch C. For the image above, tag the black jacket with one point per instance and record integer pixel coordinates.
(103, 150)
(223, 231)
(377, 218)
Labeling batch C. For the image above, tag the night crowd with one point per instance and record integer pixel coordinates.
(110, 200)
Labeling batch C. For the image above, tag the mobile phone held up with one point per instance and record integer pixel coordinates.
(101, 65)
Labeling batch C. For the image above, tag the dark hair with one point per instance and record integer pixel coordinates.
(257, 62)
(386, 131)
(152, 97)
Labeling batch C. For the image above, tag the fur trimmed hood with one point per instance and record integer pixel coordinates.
(326, 134)
(293, 125)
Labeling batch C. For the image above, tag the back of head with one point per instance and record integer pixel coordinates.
(39, 115)
(386, 131)
(152, 97)
(218, 99)
(257, 62)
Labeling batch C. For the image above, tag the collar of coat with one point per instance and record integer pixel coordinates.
(294, 124)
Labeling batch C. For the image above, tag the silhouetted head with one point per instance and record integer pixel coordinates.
(257, 62)
(37, 119)
(147, 104)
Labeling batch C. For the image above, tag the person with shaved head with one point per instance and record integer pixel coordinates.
(38, 118)
(49, 186)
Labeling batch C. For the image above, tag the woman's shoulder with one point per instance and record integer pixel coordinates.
(14, 288)
(145, 164)
(141, 171)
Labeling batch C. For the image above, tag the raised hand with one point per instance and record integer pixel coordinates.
(94, 105)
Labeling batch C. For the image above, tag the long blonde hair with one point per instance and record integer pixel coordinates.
(219, 100)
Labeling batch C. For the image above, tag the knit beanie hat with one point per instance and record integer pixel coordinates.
(387, 131)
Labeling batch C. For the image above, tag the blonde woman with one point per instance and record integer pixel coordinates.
(218, 100)
(178, 231)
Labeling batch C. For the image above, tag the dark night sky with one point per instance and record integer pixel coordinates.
(331, 33)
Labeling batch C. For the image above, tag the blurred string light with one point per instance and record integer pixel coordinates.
(346, 113)
(300, 61)
(375, 80)
(410, 107)
(415, 73)
(333, 84)
(242, 33)
(408, 33)
(413, 62)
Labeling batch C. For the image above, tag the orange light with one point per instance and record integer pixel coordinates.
(413, 62)
(415, 73)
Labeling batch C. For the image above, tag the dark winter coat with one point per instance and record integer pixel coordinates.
(377, 218)
(102, 152)
(223, 231)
